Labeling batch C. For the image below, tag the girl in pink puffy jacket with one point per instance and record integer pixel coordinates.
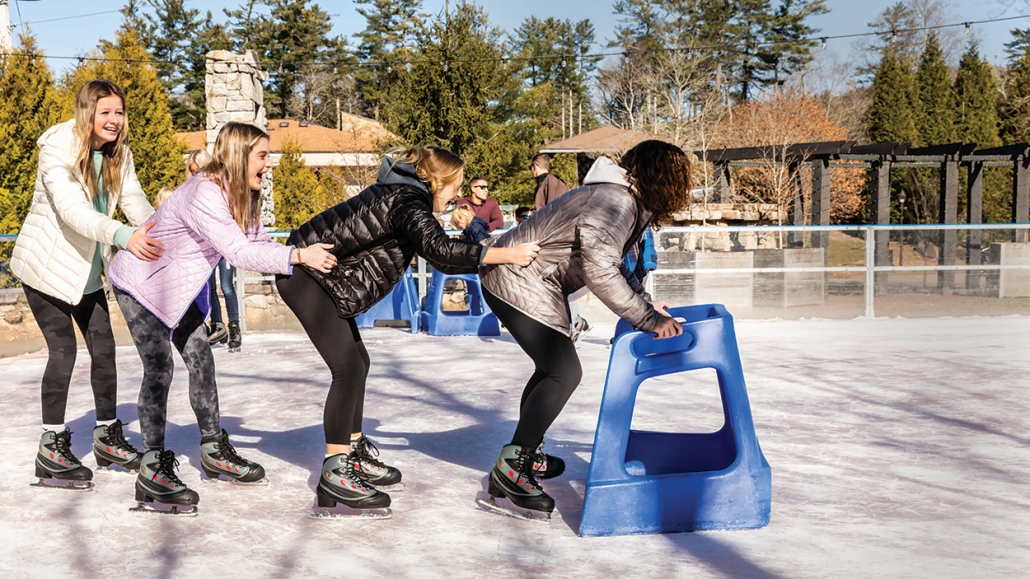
(215, 213)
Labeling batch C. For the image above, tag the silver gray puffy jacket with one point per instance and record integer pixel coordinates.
(583, 236)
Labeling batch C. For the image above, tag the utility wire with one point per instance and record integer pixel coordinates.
(274, 67)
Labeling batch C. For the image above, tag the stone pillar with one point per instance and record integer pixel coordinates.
(234, 93)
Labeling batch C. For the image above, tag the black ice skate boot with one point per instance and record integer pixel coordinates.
(339, 483)
(546, 466)
(513, 477)
(54, 459)
(110, 446)
(217, 457)
(157, 482)
(369, 468)
(235, 337)
(216, 333)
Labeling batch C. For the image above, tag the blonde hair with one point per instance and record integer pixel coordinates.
(435, 165)
(228, 168)
(114, 152)
(162, 196)
(199, 156)
(462, 216)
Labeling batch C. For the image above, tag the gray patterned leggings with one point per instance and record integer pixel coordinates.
(155, 349)
(55, 319)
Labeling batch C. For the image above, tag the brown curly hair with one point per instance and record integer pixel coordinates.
(659, 173)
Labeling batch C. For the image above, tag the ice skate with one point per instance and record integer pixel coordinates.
(218, 457)
(579, 329)
(54, 460)
(110, 446)
(158, 483)
(339, 483)
(235, 337)
(216, 333)
(546, 466)
(370, 469)
(512, 478)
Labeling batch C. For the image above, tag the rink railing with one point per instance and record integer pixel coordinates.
(872, 236)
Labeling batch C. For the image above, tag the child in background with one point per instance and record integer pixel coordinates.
(473, 229)
(163, 196)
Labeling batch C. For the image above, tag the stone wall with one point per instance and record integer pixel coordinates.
(234, 92)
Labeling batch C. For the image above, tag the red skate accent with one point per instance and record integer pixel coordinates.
(107, 448)
(218, 464)
(511, 473)
(51, 455)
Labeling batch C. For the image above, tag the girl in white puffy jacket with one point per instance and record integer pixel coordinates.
(85, 171)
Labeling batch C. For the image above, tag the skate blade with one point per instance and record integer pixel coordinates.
(489, 504)
(173, 511)
(68, 486)
(231, 481)
(236, 349)
(348, 513)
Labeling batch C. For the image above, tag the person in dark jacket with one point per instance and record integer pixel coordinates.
(548, 187)
(583, 237)
(374, 236)
(473, 228)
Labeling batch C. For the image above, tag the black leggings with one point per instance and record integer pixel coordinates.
(155, 349)
(339, 343)
(558, 371)
(55, 319)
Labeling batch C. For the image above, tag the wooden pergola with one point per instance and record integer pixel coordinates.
(881, 159)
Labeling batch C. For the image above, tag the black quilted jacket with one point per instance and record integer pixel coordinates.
(375, 235)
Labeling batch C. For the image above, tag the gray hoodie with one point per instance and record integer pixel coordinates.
(583, 237)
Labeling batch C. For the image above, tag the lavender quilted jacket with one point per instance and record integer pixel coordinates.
(197, 229)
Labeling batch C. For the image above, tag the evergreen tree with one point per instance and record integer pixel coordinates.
(158, 156)
(179, 39)
(29, 109)
(389, 35)
(450, 104)
(935, 99)
(1016, 107)
(889, 118)
(976, 101)
(297, 189)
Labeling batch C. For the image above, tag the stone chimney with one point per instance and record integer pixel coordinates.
(234, 93)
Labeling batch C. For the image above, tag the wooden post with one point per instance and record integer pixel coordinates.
(723, 185)
(974, 207)
(882, 216)
(796, 238)
(948, 214)
(1020, 196)
(821, 174)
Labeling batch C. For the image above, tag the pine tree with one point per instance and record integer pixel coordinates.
(1016, 107)
(157, 155)
(935, 112)
(451, 104)
(976, 101)
(388, 36)
(298, 190)
(889, 118)
(29, 109)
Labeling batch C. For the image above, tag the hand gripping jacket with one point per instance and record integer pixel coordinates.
(374, 236)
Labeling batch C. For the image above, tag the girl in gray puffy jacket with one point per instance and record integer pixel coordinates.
(583, 236)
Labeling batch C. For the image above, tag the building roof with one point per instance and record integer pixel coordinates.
(605, 140)
(358, 135)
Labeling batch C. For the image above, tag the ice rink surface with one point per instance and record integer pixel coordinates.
(899, 448)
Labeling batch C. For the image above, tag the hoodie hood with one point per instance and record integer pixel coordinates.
(604, 170)
(399, 173)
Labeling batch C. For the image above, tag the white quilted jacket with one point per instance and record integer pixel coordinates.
(54, 250)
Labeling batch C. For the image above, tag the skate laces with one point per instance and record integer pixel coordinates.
(117, 437)
(367, 452)
(526, 457)
(63, 446)
(166, 466)
(228, 452)
(351, 472)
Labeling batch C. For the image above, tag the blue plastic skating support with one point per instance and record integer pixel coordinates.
(400, 304)
(477, 321)
(681, 481)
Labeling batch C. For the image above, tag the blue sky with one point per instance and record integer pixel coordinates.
(71, 27)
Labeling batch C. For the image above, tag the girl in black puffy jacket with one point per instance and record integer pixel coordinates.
(374, 237)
